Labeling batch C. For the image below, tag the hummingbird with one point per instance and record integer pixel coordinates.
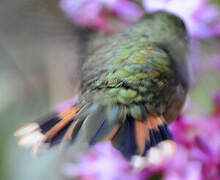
(133, 84)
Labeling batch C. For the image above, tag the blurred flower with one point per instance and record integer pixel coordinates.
(200, 16)
(97, 13)
(217, 105)
(194, 60)
(102, 162)
(215, 63)
(183, 130)
(176, 168)
(66, 104)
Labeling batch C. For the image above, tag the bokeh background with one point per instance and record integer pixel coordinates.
(40, 59)
(38, 69)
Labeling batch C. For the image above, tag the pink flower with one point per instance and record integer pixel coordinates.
(201, 18)
(97, 13)
(215, 62)
(102, 162)
(216, 112)
(66, 104)
(178, 167)
(183, 130)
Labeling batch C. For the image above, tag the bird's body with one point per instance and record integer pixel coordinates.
(133, 83)
(139, 74)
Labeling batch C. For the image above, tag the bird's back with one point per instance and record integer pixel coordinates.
(129, 70)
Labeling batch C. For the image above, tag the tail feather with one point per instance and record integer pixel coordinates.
(124, 140)
(104, 123)
(58, 137)
(141, 134)
(95, 122)
(49, 130)
(113, 132)
(147, 132)
(46, 125)
(101, 123)
(165, 132)
(157, 131)
(69, 132)
(76, 128)
(66, 117)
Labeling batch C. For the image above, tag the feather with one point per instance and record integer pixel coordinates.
(138, 112)
(95, 121)
(49, 130)
(101, 123)
(141, 128)
(111, 135)
(66, 117)
(106, 124)
(150, 132)
(26, 129)
(124, 139)
(58, 137)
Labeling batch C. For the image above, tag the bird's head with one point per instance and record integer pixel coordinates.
(169, 32)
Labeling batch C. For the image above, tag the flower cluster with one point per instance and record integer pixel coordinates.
(215, 63)
(101, 162)
(201, 17)
(197, 156)
(97, 14)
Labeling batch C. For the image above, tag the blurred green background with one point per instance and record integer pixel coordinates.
(39, 62)
(38, 69)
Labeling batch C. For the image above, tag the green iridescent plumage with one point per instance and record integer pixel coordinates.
(134, 67)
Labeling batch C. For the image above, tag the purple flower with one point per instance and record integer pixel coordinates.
(215, 63)
(201, 18)
(66, 104)
(216, 112)
(177, 167)
(98, 13)
(183, 130)
(102, 162)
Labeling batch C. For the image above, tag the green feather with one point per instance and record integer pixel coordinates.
(137, 66)
(138, 112)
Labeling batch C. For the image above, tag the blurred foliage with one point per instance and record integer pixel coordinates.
(216, 1)
(208, 78)
(38, 68)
